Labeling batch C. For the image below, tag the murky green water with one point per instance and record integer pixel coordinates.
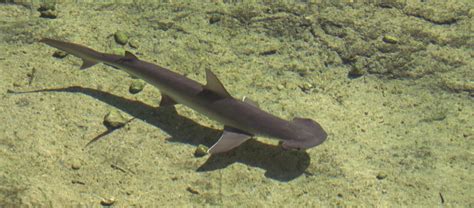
(391, 82)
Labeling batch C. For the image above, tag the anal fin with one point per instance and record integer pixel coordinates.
(166, 100)
(230, 139)
(86, 63)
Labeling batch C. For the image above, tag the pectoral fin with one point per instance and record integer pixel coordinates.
(230, 139)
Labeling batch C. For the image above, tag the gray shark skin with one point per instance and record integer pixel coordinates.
(242, 119)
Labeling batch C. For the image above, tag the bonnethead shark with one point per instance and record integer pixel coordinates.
(242, 119)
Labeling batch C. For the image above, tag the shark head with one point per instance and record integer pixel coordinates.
(307, 133)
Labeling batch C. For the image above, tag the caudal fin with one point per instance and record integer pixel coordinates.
(88, 56)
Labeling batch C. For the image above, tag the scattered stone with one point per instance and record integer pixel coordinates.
(107, 201)
(306, 87)
(133, 43)
(268, 52)
(78, 182)
(381, 175)
(48, 6)
(121, 38)
(192, 190)
(136, 86)
(390, 39)
(164, 25)
(356, 72)
(49, 14)
(48, 10)
(59, 54)
(76, 164)
(280, 87)
(214, 18)
(201, 150)
(114, 119)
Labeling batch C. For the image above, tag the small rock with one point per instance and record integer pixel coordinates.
(76, 164)
(381, 175)
(121, 38)
(48, 6)
(214, 18)
(356, 72)
(107, 201)
(48, 10)
(114, 119)
(136, 86)
(49, 14)
(192, 190)
(390, 39)
(134, 43)
(306, 87)
(280, 87)
(59, 54)
(201, 150)
(269, 51)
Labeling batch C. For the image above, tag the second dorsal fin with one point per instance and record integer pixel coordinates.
(214, 85)
(129, 55)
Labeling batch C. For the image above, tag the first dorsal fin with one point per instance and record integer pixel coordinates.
(214, 85)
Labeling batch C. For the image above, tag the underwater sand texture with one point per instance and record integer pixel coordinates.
(391, 82)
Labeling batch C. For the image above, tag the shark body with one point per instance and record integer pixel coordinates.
(242, 119)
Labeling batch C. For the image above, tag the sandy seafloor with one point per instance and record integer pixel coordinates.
(391, 82)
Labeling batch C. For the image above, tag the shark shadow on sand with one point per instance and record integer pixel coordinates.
(279, 164)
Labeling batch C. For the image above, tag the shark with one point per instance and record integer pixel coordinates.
(242, 118)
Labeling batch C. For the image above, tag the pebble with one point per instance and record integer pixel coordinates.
(356, 72)
(390, 39)
(48, 11)
(121, 38)
(214, 18)
(381, 175)
(107, 201)
(201, 150)
(136, 86)
(134, 43)
(76, 164)
(306, 86)
(192, 190)
(280, 87)
(59, 54)
(114, 119)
